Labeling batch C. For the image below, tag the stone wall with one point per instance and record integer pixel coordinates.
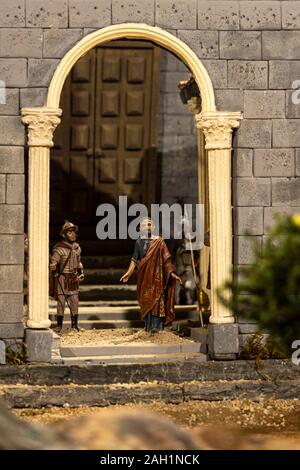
(251, 50)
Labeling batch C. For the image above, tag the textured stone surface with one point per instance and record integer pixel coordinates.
(252, 191)
(217, 70)
(26, 42)
(247, 74)
(248, 218)
(282, 73)
(286, 133)
(38, 345)
(15, 189)
(264, 104)
(2, 352)
(133, 11)
(11, 218)
(204, 43)
(242, 162)
(2, 188)
(58, 41)
(270, 215)
(297, 156)
(254, 133)
(12, 14)
(42, 14)
(11, 330)
(290, 14)
(12, 131)
(11, 279)
(13, 72)
(11, 249)
(229, 99)
(218, 15)
(222, 339)
(11, 159)
(240, 45)
(280, 45)
(244, 249)
(11, 307)
(176, 14)
(40, 71)
(260, 14)
(31, 97)
(285, 191)
(292, 103)
(248, 328)
(90, 13)
(9, 103)
(274, 162)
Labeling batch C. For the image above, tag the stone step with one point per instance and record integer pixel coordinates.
(129, 349)
(106, 276)
(100, 303)
(106, 262)
(103, 324)
(107, 292)
(136, 359)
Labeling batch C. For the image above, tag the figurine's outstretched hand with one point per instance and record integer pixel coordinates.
(177, 278)
(125, 277)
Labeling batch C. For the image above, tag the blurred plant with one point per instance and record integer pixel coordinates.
(269, 289)
(16, 354)
(258, 348)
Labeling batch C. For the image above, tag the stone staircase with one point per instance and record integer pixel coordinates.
(107, 304)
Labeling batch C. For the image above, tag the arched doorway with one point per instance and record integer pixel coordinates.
(217, 128)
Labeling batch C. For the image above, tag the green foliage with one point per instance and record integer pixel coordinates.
(256, 348)
(16, 355)
(269, 289)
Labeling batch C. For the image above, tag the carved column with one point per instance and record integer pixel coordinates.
(217, 128)
(41, 124)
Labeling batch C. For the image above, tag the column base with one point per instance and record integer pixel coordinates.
(223, 341)
(38, 345)
(39, 325)
(221, 320)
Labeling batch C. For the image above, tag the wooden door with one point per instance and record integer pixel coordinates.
(105, 145)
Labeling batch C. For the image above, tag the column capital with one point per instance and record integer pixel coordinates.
(41, 123)
(217, 127)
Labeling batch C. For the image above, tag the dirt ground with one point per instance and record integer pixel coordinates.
(119, 336)
(276, 418)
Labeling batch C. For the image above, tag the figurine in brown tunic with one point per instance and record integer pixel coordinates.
(156, 278)
(68, 272)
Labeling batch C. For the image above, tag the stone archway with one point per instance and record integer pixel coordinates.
(217, 128)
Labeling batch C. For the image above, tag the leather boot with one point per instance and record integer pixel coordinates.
(59, 324)
(74, 322)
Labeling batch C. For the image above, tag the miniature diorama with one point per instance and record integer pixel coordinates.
(66, 274)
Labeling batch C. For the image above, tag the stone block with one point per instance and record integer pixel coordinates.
(11, 159)
(229, 100)
(205, 44)
(290, 15)
(286, 191)
(133, 11)
(280, 45)
(176, 14)
(40, 14)
(2, 353)
(13, 72)
(292, 103)
(168, 62)
(24, 42)
(11, 279)
(269, 215)
(242, 162)
(178, 124)
(217, 70)
(248, 219)
(12, 131)
(11, 249)
(11, 218)
(31, 97)
(11, 330)
(38, 345)
(286, 133)
(244, 338)
(90, 13)
(264, 104)
(282, 73)
(260, 15)
(14, 345)
(2, 188)
(15, 187)
(40, 71)
(248, 328)
(9, 103)
(297, 162)
(240, 45)
(222, 340)
(218, 15)
(11, 307)
(169, 81)
(247, 74)
(174, 105)
(254, 133)
(252, 192)
(58, 41)
(12, 14)
(244, 249)
(274, 162)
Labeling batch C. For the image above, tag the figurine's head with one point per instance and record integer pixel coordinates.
(147, 226)
(69, 231)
